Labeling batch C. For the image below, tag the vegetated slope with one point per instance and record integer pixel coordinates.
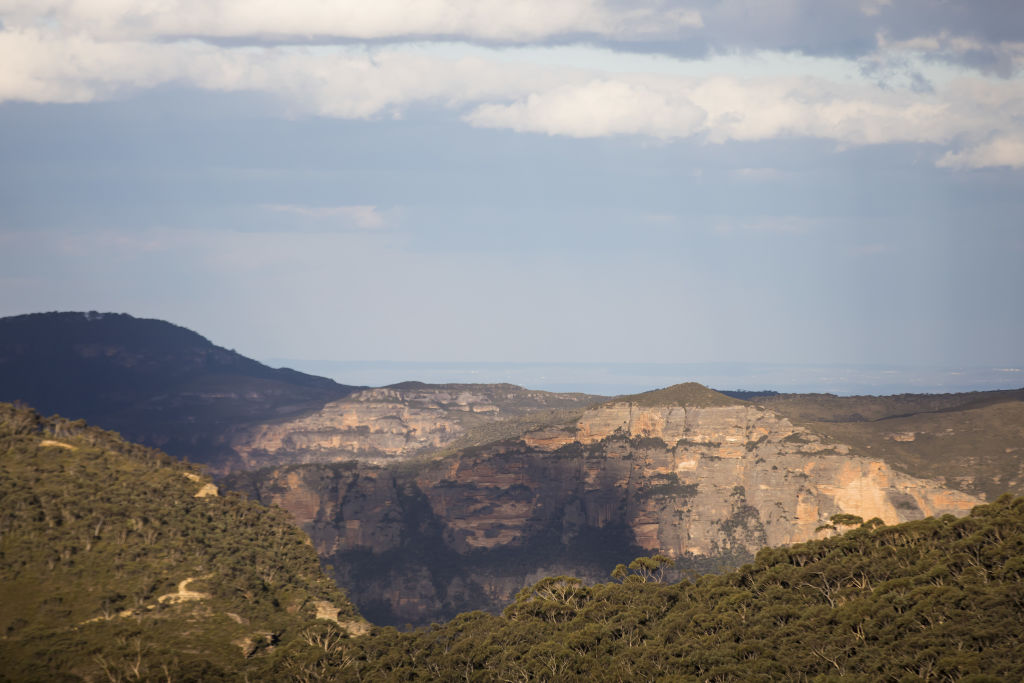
(972, 441)
(420, 540)
(118, 562)
(832, 408)
(936, 599)
(153, 381)
(691, 394)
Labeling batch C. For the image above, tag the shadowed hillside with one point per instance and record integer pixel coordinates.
(936, 599)
(153, 381)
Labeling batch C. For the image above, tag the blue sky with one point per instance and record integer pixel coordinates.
(598, 182)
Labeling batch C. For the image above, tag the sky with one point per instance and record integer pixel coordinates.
(792, 182)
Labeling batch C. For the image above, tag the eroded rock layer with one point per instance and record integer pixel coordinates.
(390, 423)
(703, 484)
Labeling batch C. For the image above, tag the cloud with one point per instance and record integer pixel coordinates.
(597, 108)
(363, 217)
(971, 32)
(977, 120)
(720, 109)
(512, 21)
(1002, 57)
(1005, 150)
(46, 66)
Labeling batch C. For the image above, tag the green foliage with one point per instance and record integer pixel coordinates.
(643, 569)
(112, 569)
(687, 394)
(937, 599)
(844, 519)
(971, 441)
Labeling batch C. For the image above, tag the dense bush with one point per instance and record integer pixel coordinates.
(97, 536)
(939, 599)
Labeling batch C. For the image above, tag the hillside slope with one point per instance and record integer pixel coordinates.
(154, 382)
(117, 562)
(936, 599)
(973, 441)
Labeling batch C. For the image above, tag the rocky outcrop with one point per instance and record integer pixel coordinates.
(391, 423)
(704, 484)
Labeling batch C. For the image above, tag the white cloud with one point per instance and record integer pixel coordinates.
(45, 66)
(1004, 150)
(721, 109)
(979, 120)
(497, 20)
(596, 109)
(42, 66)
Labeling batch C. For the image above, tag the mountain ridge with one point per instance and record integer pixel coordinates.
(154, 381)
(429, 499)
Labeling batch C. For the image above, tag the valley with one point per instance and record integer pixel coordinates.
(686, 472)
(424, 501)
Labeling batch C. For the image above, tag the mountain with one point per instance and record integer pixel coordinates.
(973, 442)
(685, 471)
(935, 599)
(428, 500)
(155, 382)
(119, 563)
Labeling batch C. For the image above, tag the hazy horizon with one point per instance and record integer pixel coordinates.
(611, 379)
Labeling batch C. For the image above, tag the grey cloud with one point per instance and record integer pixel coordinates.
(989, 33)
(844, 28)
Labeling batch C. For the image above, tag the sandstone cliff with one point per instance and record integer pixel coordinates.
(397, 422)
(703, 483)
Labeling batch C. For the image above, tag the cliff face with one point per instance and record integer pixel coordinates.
(392, 423)
(700, 483)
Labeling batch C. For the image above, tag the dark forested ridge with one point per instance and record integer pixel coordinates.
(119, 563)
(937, 599)
(153, 381)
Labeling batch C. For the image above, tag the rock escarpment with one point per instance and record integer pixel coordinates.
(391, 423)
(705, 483)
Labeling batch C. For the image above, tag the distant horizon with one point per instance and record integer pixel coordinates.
(616, 378)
